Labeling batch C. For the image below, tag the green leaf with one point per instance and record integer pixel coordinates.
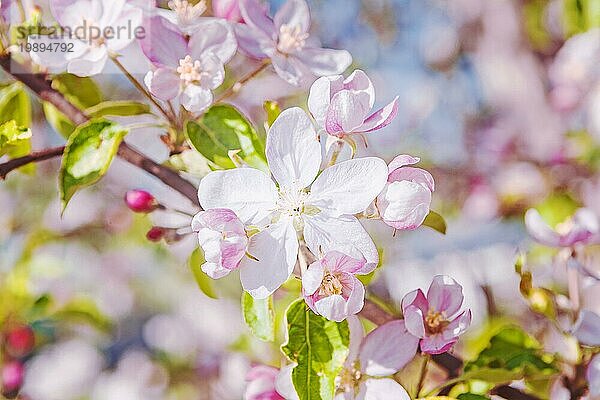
(319, 347)
(259, 316)
(82, 92)
(204, 281)
(221, 129)
(510, 351)
(273, 110)
(123, 108)
(470, 396)
(435, 221)
(15, 105)
(13, 137)
(87, 156)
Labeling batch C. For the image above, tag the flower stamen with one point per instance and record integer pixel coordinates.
(186, 12)
(189, 71)
(291, 39)
(435, 322)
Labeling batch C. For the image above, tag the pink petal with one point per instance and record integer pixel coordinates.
(164, 44)
(416, 298)
(163, 83)
(195, 98)
(437, 344)
(340, 262)
(402, 160)
(413, 318)
(357, 334)
(323, 62)
(445, 295)
(381, 389)
(289, 68)
(356, 300)
(332, 307)
(252, 41)
(411, 174)
(587, 328)
(284, 384)
(540, 230)
(213, 36)
(593, 376)
(387, 349)
(227, 9)
(294, 13)
(319, 97)
(255, 16)
(458, 326)
(381, 118)
(220, 219)
(404, 205)
(346, 112)
(358, 81)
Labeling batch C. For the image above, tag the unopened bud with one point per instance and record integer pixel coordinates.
(156, 233)
(20, 341)
(12, 377)
(141, 201)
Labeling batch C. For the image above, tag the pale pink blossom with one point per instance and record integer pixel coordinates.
(269, 383)
(223, 239)
(330, 287)
(285, 40)
(581, 228)
(320, 208)
(344, 106)
(587, 328)
(227, 9)
(187, 69)
(186, 15)
(405, 201)
(373, 359)
(593, 375)
(90, 48)
(435, 318)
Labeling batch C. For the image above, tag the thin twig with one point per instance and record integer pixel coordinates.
(37, 156)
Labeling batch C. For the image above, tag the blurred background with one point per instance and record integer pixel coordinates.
(499, 98)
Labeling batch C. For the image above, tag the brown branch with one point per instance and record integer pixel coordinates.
(43, 89)
(36, 156)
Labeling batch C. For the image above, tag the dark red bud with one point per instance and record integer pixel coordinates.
(141, 201)
(20, 341)
(12, 377)
(156, 233)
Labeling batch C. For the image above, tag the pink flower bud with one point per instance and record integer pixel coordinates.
(20, 341)
(12, 377)
(141, 201)
(156, 233)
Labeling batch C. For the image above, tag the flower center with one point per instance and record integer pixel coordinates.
(349, 379)
(330, 285)
(186, 12)
(291, 39)
(291, 202)
(435, 322)
(189, 71)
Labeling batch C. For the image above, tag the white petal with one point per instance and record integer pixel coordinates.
(312, 278)
(323, 62)
(587, 328)
(350, 186)
(387, 349)
(284, 384)
(382, 389)
(323, 233)
(293, 13)
(91, 63)
(276, 249)
(293, 151)
(250, 193)
(163, 83)
(195, 98)
(320, 94)
(539, 229)
(213, 36)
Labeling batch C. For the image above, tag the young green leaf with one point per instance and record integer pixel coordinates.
(273, 110)
(123, 108)
(13, 137)
(259, 316)
(15, 105)
(435, 221)
(319, 347)
(88, 154)
(221, 129)
(204, 281)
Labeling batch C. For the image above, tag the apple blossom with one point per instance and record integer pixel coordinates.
(90, 48)
(285, 40)
(227, 9)
(141, 201)
(435, 319)
(321, 211)
(581, 228)
(404, 202)
(341, 106)
(187, 69)
(13, 373)
(587, 328)
(185, 14)
(261, 384)
(330, 287)
(223, 239)
(382, 353)
(593, 375)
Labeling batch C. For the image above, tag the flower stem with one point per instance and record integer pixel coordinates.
(138, 86)
(573, 282)
(423, 374)
(236, 87)
(337, 149)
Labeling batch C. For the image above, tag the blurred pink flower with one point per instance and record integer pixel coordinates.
(12, 377)
(434, 318)
(269, 383)
(223, 239)
(90, 52)
(319, 206)
(227, 9)
(285, 40)
(330, 287)
(404, 202)
(342, 106)
(382, 353)
(581, 228)
(593, 375)
(187, 69)
(587, 328)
